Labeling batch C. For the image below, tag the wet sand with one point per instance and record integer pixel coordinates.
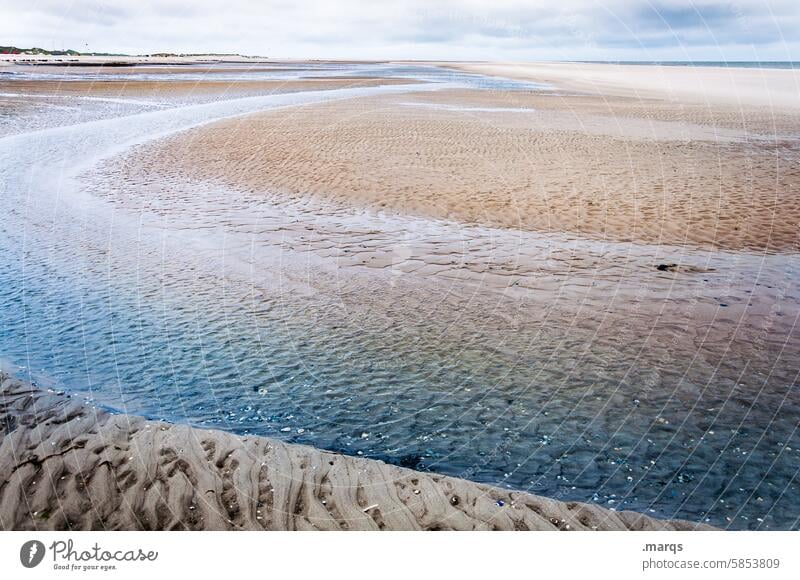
(68, 466)
(29, 104)
(173, 87)
(607, 168)
(379, 204)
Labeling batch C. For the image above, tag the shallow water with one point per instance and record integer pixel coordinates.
(593, 376)
(276, 71)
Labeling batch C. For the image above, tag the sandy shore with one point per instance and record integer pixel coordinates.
(66, 465)
(610, 168)
(773, 88)
(120, 61)
(31, 104)
(154, 89)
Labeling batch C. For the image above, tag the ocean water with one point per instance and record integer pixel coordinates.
(609, 383)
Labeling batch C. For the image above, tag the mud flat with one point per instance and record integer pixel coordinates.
(67, 465)
(609, 168)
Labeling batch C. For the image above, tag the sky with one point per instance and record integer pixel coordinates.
(509, 30)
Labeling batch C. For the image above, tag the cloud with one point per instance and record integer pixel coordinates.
(456, 29)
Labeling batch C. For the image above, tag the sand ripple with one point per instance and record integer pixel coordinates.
(67, 466)
(642, 175)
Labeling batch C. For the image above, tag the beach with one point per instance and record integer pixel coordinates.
(65, 465)
(92, 89)
(614, 169)
(706, 85)
(544, 296)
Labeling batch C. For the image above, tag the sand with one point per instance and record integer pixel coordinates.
(609, 168)
(37, 104)
(65, 465)
(172, 88)
(741, 87)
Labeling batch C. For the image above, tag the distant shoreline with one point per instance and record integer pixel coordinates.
(71, 58)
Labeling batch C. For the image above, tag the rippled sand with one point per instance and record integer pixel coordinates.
(68, 466)
(607, 168)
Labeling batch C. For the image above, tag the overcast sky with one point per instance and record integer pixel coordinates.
(437, 29)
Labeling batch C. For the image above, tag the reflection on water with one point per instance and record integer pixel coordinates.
(597, 378)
